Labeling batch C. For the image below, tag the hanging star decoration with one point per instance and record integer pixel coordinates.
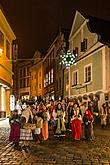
(68, 59)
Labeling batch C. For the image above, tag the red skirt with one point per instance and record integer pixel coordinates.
(15, 132)
(76, 129)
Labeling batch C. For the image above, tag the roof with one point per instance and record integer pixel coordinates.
(101, 27)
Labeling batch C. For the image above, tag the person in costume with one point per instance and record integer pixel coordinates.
(76, 124)
(59, 115)
(15, 128)
(88, 124)
(46, 118)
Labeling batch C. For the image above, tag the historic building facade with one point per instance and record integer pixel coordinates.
(49, 73)
(53, 71)
(36, 72)
(24, 79)
(91, 73)
(61, 46)
(6, 39)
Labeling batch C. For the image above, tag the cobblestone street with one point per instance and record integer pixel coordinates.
(59, 152)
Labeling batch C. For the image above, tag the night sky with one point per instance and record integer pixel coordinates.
(35, 22)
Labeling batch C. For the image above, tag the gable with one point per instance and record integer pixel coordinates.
(78, 21)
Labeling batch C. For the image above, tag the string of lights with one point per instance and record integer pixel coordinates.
(68, 59)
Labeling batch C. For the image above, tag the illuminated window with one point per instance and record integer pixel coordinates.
(49, 77)
(8, 49)
(88, 73)
(52, 75)
(1, 40)
(46, 79)
(44, 82)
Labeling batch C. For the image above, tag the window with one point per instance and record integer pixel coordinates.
(87, 73)
(84, 45)
(20, 72)
(75, 78)
(24, 83)
(46, 79)
(1, 40)
(52, 75)
(27, 71)
(28, 82)
(20, 83)
(8, 49)
(49, 77)
(75, 51)
(24, 72)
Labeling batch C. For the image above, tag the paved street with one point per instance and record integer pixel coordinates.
(58, 152)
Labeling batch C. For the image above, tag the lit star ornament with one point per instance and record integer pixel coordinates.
(68, 59)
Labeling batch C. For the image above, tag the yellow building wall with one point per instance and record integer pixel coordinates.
(5, 65)
(40, 80)
(33, 81)
(37, 80)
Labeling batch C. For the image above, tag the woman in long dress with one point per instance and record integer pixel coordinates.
(15, 128)
(46, 118)
(88, 124)
(103, 114)
(60, 116)
(76, 124)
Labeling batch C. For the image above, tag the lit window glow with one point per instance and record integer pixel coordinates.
(1, 52)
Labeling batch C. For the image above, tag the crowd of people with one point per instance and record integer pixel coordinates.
(34, 121)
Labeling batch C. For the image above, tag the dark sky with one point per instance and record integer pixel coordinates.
(35, 22)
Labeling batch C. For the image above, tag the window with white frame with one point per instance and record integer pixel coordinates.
(75, 77)
(88, 73)
(52, 75)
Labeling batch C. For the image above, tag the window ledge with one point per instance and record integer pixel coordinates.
(78, 86)
(87, 83)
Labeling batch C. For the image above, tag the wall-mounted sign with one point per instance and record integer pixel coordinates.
(12, 102)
